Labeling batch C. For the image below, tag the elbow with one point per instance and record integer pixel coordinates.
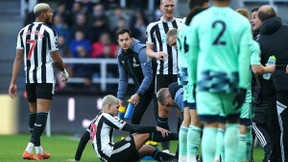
(257, 71)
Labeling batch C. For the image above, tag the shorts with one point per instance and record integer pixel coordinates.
(211, 105)
(191, 99)
(39, 90)
(163, 81)
(124, 150)
(246, 112)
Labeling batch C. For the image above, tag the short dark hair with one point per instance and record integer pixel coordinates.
(122, 31)
(194, 3)
(255, 9)
(193, 13)
(264, 14)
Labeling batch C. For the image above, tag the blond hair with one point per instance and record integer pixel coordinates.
(109, 99)
(39, 8)
(162, 95)
(172, 33)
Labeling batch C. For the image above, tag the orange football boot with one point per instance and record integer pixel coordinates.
(43, 156)
(28, 156)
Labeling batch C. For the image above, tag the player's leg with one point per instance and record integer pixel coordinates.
(245, 121)
(231, 136)
(220, 140)
(31, 96)
(141, 107)
(44, 99)
(195, 127)
(274, 128)
(282, 110)
(209, 109)
(32, 115)
(146, 150)
(194, 135)
(183, 135)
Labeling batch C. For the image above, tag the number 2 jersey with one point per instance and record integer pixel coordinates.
(38, 40)
(219, 40)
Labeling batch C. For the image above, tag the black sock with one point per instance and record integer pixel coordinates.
(163, 122)
(157, 136)
(161, 156)
(32, 119)
(39, 127)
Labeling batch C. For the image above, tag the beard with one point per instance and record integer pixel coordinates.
(48, 22)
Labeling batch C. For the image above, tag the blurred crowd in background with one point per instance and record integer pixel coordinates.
(87, 29)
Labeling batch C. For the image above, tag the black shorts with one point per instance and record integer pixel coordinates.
(39, 90)
(163, 81)
(127, 151)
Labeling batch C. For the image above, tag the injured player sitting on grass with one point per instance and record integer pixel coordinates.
(133, 147)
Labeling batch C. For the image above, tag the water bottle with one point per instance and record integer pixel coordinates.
(121, 112)
(271, 61)
(129, 111)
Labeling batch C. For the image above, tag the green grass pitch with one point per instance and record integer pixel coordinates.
(62, 148)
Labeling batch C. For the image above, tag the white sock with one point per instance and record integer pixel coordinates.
(191, 158)
(217, 159)
(39, 150)
(29, 148)
(182, 158)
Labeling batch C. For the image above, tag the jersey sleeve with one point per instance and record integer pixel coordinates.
(19, 44)
(147, 70)
(150, 39)
(255, 53)
(53, 40)
(114, 121)
(192, 57)
(123, 81)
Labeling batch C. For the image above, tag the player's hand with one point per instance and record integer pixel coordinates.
(134, 99)
(160, 55)
(163, 131)
(271, 68)
(240, 98)
(287, 69)
(13, 91)
(64, 75)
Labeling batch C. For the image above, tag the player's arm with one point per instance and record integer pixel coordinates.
(58, 62)
(244, 57)
(158, 55)
(18, 60)
(192, 56)
(260, 69)
(256, 65)
(146, 66)
(82, 144)
(123, 83)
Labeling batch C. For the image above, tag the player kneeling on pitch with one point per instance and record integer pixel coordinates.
(131, 148)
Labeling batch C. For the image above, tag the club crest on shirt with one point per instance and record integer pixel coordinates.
(135, 63)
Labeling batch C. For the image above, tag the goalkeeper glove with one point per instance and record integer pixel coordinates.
(239, 98)
(64, 75)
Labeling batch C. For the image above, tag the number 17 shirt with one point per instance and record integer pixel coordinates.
(38, 40)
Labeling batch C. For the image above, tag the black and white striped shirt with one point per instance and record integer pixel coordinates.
(38, 40)
(156, 34)
(101, 132)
